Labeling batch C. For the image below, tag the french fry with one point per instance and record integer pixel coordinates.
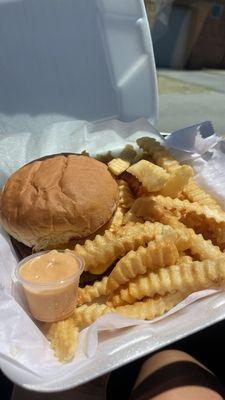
(179, 234)
(142, 155)
(184, 259)
(105, 158)
(200, 247)
(118, 165)
(117, 219)
(131, 218)
(210, 222)
(159, 154)
(177, 181)
(87, 314)
(147, 309)
(156, 255)
(148, 209)
(163, 158)
(192, 277)
(126, 198)
(204, 249)
(92, 292)
(128, 153)
(159, 213)
(152, 177)
(151, 308)
(194, 193)
(63, 336)
(143, 207)
(181, 196)
(135, 186)
(100, 253)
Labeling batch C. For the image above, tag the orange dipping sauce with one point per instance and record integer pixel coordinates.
(50, 281)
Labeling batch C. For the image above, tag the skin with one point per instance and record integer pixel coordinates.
(186, 392)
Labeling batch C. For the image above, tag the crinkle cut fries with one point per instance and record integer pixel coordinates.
(165, 241)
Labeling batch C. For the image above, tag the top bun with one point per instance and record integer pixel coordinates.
(56, 199)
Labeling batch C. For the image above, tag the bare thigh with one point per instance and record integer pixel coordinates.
(173, 375)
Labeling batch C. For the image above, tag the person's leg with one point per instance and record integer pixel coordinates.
(172, 375)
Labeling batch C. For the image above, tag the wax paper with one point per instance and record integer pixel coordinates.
(25, 354)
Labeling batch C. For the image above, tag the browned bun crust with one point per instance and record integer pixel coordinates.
(53, 200)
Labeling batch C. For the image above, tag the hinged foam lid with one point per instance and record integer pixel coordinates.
(82, 59)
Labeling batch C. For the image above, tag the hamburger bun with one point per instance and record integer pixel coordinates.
(51, 201)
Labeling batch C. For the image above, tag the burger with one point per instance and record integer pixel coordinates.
(53, 201)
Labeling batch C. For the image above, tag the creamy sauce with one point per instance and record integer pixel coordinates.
(50, 282)
(50, 267)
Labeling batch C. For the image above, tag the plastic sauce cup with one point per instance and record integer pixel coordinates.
(51, 301)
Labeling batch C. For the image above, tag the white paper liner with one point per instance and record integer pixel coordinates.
(22, 343)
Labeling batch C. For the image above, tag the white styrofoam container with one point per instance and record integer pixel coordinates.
(74, 59)
(92, 60)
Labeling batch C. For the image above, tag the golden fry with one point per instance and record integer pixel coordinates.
(92, 292)
(105, 158)
(147, 309)
(134, 184)
(128, 153)
(101, 252)
(184, 259)
(126, 197)
(163, 215)
(186, 207)
(145, 208)
(152, 177)
(200, 247)
(209, 222)
(87, 314)
(151, 308)
(204, 249)
(194, 193)
(177, 180)
(163, 158)
(159, 154)
(63, 336)
(118, 165)
(131, 218)
(117, 219)
(148, 209)
(142, 155)
(156, 255)
(192, 277)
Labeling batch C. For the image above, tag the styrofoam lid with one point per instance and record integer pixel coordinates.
(83, 59)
